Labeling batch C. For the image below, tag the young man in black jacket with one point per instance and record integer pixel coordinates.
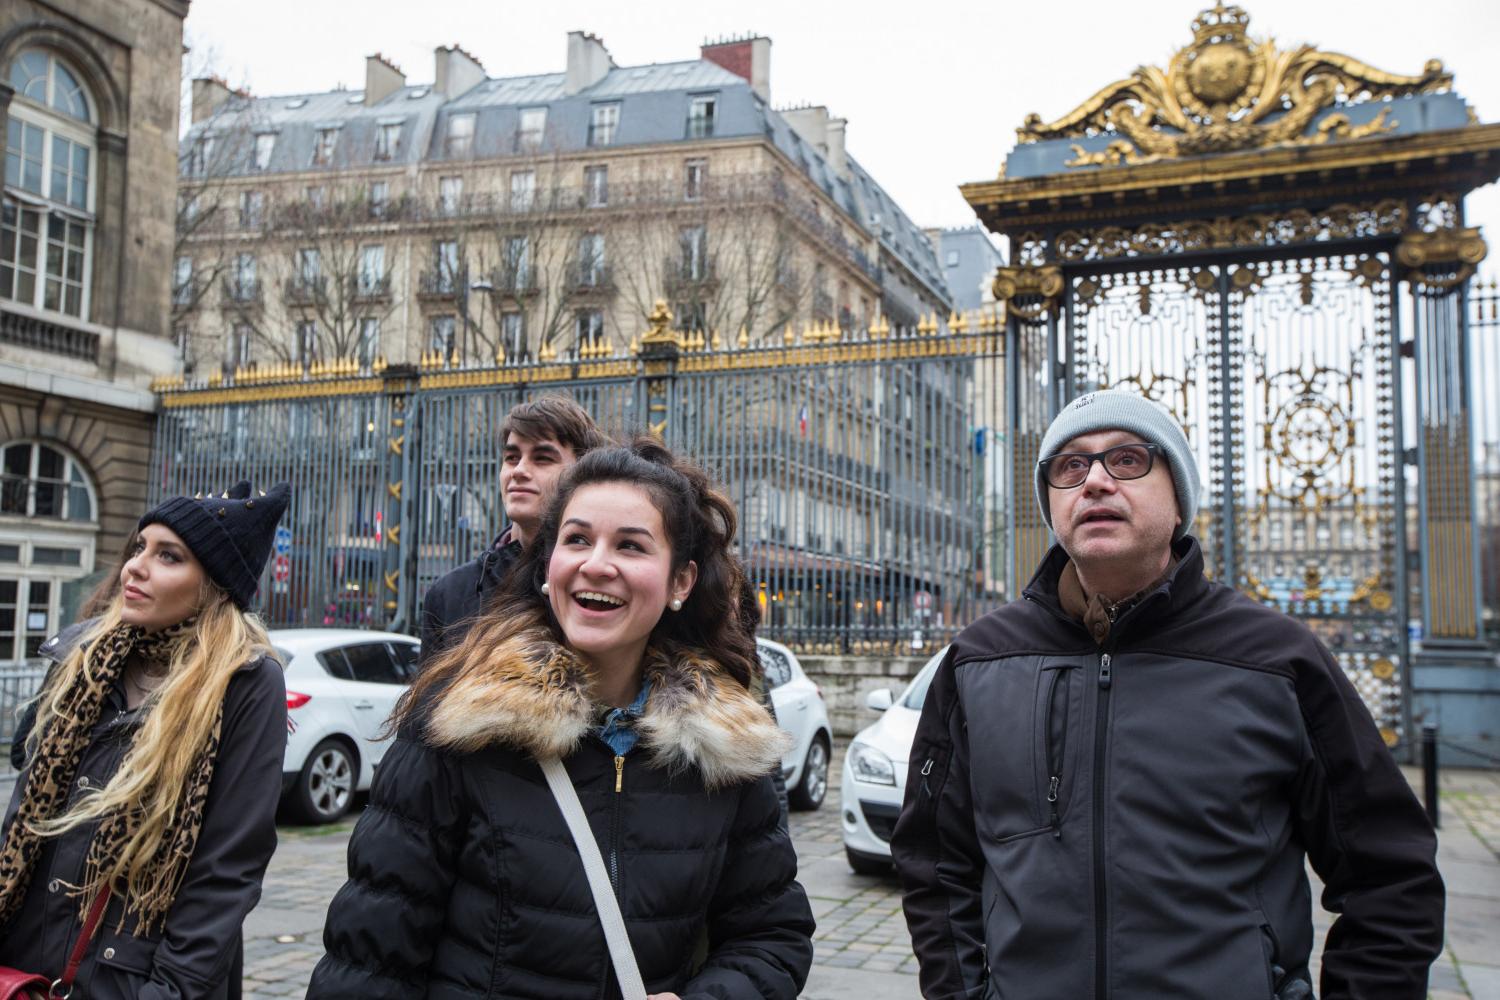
(1116, 781)
(543, 438)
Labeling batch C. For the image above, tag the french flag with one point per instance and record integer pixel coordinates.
(802, 420)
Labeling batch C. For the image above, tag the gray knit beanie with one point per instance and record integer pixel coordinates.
(1112, 410)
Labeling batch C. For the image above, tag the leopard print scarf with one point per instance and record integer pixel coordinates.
(51, 775)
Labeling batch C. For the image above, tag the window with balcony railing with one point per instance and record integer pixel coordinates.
(460, 138)
(604, 120)
(700, 122)
(533, 126)
(324, 143)
(387, 141)
(596, 186)
(265, 145)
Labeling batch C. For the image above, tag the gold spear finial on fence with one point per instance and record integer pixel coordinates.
(744, 339)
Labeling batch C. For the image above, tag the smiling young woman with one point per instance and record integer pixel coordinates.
(153, 766)
(621, 645)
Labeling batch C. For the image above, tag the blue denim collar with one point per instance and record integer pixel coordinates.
(617, 727)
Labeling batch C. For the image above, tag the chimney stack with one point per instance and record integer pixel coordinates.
(748, 57)
(588, 62)
(209, 95)
(457, 71)
(823, 132)
(834, 147)
(382, 79)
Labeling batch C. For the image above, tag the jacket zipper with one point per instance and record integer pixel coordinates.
(1055, 760)
(1101, 719)
(614, 856)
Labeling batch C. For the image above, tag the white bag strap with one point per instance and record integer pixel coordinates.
(632, 987)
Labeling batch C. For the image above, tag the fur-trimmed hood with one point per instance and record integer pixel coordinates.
(533, 694)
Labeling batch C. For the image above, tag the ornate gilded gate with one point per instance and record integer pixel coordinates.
(1269, 243)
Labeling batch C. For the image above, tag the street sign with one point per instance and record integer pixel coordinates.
(283, 540)
(922, 600)
(281, 569)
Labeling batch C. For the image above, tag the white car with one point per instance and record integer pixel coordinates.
(874, 781)
(800, 711)
(341, 685)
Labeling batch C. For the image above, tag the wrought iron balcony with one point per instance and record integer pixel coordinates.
(438, 284)
(515, 284)
(305, 291)
(242, 292)
(684, 275)
(590, 278)
(372, 289)
(42, 335)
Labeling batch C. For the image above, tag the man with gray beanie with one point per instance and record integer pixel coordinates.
(1117, 781)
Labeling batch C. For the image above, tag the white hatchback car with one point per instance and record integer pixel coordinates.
(800, 710)
(341, 685)
(874, 781)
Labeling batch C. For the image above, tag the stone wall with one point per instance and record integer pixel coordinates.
(846, 680)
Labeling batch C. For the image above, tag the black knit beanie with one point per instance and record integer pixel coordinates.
(231, 534)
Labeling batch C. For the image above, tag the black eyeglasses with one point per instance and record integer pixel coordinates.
(1124, 461)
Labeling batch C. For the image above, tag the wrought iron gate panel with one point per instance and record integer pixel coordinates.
(1281, 372)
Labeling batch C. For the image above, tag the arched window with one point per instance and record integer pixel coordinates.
(48, 526)
(47, 216)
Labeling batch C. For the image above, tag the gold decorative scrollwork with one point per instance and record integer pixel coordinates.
(1343, 221)
(660, 326)
(1443, 258)
(1029, 291)
(1226, 92)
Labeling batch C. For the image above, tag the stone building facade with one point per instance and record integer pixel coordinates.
(529, 217)
(88, 103)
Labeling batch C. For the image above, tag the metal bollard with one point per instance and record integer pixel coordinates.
(1430, 773)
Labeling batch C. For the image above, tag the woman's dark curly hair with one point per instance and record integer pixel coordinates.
(718, 619)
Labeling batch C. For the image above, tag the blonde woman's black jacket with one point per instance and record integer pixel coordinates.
(195, 954)
(1130, 821)
(465, 883)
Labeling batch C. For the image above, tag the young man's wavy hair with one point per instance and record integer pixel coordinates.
(556, 417)
(179, 717)
(700, 523)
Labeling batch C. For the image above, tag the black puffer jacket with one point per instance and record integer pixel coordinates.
(196, 953)
(464, 881)
(1130, 821)
(460, 594)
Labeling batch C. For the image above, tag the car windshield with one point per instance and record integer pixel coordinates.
(917, 692)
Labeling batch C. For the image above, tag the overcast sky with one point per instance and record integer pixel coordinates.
(933, 90)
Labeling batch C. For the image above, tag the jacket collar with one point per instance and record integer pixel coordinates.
(535, 695)
(1182, 587)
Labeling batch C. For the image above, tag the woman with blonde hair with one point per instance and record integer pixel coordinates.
(579, 801)
(137, 835)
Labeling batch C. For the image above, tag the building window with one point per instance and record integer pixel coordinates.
(450, 194)
(324, 143)
(603, 121)
(39, 481)
(252, 209)
(309, 269)
(372, 279)
(200, 155)
(265, 145)
(513, 335)
(517, 276)
(522, 190)
(387, 141)
(182, 282)
(693, 241)
(596, 186)
(239, 346)
(700, 123)
(588, 329)
(696, 176)
(380, 194)
(445, 261)
(440, 335)
(243, 285)
(533, 125)
(368, 348)
(952, 256)
(591, 260)
(46, 241)
(317, 197)
(307, 342)
(460, 141)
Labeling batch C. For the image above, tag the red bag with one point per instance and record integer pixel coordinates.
(18, 985)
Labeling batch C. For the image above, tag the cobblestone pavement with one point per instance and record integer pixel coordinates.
(862, 948)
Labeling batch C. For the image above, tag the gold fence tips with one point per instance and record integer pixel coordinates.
(500, 353)
(635, 344)
(744, 339)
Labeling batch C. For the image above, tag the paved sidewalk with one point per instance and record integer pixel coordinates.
(862, 949)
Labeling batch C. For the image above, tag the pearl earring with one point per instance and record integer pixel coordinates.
(676, 604)
(546, 589)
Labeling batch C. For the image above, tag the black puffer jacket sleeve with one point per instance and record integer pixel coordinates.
(1371, 844)
(201, 935)
(436, 617)
(937, 851)
(384, 924)
(760, 924)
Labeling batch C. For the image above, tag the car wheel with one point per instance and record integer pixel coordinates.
(325, 788)
(867, 864)
(813, 787)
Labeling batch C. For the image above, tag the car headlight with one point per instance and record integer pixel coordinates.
(870, 765)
